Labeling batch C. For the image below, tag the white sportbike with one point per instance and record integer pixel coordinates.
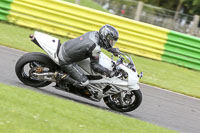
(121, 92)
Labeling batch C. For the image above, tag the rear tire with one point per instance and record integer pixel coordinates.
(29, 58)
(136, 103)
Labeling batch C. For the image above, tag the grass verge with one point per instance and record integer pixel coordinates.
(26, 111)
(157, 73)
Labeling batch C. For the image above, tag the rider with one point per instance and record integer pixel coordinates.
(80, 48)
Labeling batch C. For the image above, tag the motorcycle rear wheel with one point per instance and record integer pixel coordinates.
(135, 104)
(30, 59)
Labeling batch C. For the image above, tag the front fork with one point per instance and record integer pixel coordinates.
(124, 98)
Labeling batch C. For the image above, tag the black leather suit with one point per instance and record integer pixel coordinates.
(86, 46)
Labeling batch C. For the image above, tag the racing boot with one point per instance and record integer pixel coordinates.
(62, 77)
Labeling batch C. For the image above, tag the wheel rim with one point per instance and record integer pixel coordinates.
(124, 102)
(136, 101)
(29, 68)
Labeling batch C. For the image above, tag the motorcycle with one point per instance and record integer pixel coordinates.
(121, 92)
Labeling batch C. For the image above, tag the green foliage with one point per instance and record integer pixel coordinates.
(172, 5)
(191, 6)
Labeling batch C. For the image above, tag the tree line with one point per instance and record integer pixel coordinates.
(191, 7)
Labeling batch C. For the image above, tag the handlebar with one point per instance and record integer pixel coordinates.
(122, 57)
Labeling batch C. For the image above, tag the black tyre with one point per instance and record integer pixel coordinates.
(132, 106)
(27, 62)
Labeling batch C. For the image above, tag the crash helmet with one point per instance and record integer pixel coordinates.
(108, 35)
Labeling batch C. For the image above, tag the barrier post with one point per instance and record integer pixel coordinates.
(195, 24)
(139, 10)
(77, 2)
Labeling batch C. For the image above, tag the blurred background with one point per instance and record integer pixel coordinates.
(178, 15)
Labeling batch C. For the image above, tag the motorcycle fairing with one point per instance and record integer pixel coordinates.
(49, 44)
(132, 77)
(125, 84)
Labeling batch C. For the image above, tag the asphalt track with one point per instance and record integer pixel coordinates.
(160, 107)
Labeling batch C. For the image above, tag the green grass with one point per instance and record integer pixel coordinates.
(169, 76)
(18, 37)
(26, 111)
(157, 73)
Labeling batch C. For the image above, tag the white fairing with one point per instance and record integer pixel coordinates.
(128, 84)
(49, 44)
(132, 77)
(105, 61)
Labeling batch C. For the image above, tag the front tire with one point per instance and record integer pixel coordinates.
(135, 104)
(30, 59)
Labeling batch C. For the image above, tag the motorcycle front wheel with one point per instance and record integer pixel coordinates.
(30, 63)
(115, 102)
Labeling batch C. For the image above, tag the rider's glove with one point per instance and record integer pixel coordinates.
(110, 74)
(115, 51)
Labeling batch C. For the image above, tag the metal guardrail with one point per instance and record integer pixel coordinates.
(4, 8)
(73, 20)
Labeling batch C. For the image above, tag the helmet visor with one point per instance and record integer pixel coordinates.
(111, 40)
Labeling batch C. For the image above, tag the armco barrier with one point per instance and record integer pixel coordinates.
(183, 50)
(72, 20)
(4, 8)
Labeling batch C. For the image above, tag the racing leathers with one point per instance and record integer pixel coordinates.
(86, 46)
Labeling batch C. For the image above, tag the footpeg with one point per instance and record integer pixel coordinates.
(59, 76)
